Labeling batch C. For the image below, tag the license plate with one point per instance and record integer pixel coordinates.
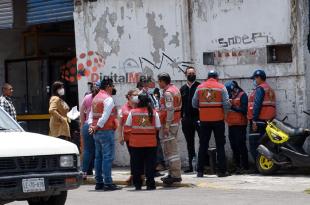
(33, 185)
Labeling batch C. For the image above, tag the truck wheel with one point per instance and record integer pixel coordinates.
(266, 166)
(53, 200)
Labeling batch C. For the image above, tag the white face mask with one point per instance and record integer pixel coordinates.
(61, 91)
(135, 99)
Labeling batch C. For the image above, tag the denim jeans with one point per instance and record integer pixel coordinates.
(88, 148)
(105, 148)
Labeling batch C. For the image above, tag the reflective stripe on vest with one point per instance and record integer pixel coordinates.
(98, 109)
(143, 132)
(177, 104)
(233, 117)
(210, 101)
(268, 109)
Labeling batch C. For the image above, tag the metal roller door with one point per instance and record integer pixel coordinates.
(6, 14)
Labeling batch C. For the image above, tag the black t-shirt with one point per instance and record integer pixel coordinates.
(187, 95)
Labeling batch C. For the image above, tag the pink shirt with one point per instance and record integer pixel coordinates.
(87, 102)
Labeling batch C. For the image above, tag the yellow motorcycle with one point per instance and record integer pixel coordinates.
(282, 146)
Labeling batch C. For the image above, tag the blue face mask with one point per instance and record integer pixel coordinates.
(254, 83)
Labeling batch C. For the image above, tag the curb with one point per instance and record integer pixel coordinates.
(91, 181)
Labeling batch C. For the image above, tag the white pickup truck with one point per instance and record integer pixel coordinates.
(33, 167)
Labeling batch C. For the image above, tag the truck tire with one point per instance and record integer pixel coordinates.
(53, 200)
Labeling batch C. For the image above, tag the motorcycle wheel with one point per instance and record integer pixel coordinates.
(266, 166)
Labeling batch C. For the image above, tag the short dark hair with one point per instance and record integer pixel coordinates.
(5, 85)
(56, 85)
(106, 82)
(164, 77)
(189, 67)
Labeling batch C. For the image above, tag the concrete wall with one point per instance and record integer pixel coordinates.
(140, 36)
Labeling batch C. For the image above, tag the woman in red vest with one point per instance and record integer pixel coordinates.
(143, 122)
(237, 121)
(124, 131)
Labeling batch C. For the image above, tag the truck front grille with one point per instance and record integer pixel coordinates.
(29, 164)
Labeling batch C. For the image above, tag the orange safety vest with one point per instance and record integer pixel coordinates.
(233, 117)
(177, 104)
(125, 112)
(210, 101)
(143, 132)
(268, 110)
(98, 109)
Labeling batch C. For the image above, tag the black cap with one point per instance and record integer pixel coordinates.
(213, 74)
(259, 73)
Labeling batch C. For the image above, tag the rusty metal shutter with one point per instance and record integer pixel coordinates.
(6, 14)
(47, 11)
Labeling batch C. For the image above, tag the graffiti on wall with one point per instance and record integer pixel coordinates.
(244, 39)
(91, 64)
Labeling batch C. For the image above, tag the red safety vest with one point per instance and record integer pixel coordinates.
(268, 110)
(98, 108)
(236, 118)
(210, 101)
(125, 112)
(143, 132)
(177, 104)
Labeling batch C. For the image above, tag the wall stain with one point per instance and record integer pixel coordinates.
(106, 46)
(175, 40)
(158, 34)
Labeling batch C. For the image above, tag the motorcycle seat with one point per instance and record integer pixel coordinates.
(289, 129)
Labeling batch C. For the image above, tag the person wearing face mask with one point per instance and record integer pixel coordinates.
(102, 121)
(88, 140)
(237, 121)
(190, 115)
(58, 109)
(261, 108)
(124, 131)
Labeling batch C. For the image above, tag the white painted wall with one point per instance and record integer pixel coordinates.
(122, 31)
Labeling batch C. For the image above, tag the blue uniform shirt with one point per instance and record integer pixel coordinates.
(258, 102)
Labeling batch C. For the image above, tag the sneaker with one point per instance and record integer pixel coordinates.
(99, 186)
(170, 180)
(111, 187)
(223, 174)
(200, 174)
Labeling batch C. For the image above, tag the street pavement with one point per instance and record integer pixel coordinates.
(235, 189)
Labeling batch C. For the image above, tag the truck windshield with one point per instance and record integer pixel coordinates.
(7, 123)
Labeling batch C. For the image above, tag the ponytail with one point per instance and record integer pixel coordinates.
(150, 111)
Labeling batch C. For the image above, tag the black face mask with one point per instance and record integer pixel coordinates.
(191, 78)
(114, 91)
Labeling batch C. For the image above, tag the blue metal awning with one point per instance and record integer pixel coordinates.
(6, 14)
(47, 11)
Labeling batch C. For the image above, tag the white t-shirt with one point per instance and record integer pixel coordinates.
(157, 120)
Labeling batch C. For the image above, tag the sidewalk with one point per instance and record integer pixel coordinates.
(280, 182)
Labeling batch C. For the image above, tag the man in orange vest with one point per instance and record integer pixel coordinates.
(102, 121)
(211, 98)
(237, 121)
(170, 117)
(261, 108)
